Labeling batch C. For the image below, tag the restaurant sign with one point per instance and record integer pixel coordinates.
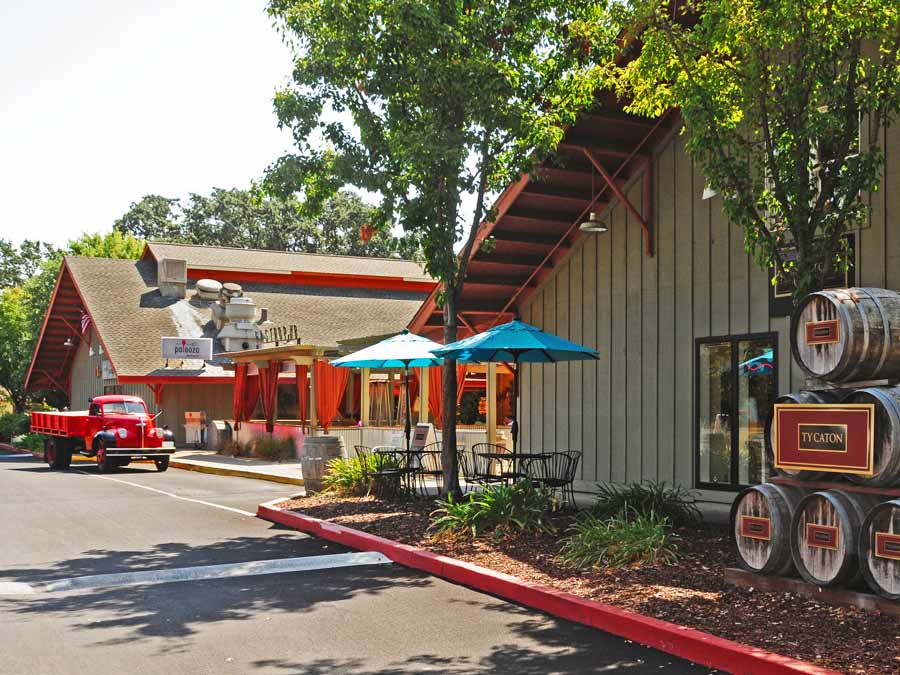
(187, 348)
(824, 437)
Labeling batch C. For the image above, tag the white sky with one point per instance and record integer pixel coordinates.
(103, 102)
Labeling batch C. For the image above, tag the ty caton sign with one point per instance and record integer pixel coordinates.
(187, 348)
(824, 437)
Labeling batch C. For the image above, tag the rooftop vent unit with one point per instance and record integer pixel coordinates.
(171, 275)
(234, 316)
(208, 289)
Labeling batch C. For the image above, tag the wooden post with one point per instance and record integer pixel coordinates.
(423, 395)
(313, 385)
(364, 403)
(491, 403)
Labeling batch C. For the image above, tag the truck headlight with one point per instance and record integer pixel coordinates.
(123, 433)
(159, 433)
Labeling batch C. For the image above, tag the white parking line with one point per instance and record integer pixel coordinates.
(169, 494)
(175, 574)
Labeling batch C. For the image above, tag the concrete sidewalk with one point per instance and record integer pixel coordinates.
(206, 461)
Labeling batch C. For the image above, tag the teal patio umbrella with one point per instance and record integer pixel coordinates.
(515, 342)
(405, 350)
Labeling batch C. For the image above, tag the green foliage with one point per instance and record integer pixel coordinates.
(114, 244)
(249, 219)
(16, 340)
(347, 475)
(273, 448)
(14, 424)
(19, 263)
(499, 509)
(33, 442)
(623, 539)
(427, 105)
(468, 407)
(772, 93)
(234, 448)
(675, 504)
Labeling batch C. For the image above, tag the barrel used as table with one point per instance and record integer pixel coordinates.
(886, 441)
(761, 522)
(824, 536)
(848, 334)
(879, 549)
(796, 397)
(317, 453)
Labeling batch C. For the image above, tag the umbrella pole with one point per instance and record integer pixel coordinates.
(408, 428)
(515, 403)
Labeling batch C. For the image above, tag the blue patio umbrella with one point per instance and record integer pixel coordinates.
(405, 350)
(515, 342)
(758, 365)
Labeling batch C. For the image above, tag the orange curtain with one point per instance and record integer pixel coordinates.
(268, 380)
(436, 389)
(303, 392)
(246, 393)
(330, 385)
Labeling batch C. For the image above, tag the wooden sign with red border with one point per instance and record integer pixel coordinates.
(887, 545)
(822, 536)
(752, 527)
(823, 332)
(834, 437)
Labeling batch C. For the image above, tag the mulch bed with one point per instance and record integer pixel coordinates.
(692, 593)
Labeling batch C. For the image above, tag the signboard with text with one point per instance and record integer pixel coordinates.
(824, 437)
(187, 348)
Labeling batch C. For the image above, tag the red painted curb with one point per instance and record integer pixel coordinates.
(687, 643)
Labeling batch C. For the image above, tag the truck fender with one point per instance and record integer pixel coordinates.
(168, 435)
(107, 437)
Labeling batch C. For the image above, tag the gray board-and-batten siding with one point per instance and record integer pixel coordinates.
(632, 412)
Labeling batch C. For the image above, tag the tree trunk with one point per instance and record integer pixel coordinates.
(448, 412)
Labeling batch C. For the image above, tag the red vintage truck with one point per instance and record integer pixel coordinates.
(114, 430)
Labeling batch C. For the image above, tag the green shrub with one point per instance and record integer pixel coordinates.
(273, 448)
(624, 539)
(234, 448)
(33, 442)
(14, 424)
(497, 509)
(676, 504)
(347, 475)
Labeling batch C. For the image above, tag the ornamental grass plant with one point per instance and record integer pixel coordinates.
(627, 538)
(673, 503)
(348, 475)
(499, 509)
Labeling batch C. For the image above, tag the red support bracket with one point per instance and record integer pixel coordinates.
(648, 237)
(74, 330)
(157, 390)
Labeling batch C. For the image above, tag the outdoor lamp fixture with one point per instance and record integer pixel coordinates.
(68, 342)
(592, 223)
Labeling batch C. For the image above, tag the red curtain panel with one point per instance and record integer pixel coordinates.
(240, 382)
(303, 392)
(251, 396)
(436, 388)
(330, 385)
(268, 380)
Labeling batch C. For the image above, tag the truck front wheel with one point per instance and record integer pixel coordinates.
(104, 463)
(162, 463)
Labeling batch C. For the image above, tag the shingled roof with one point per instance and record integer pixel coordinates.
(129, 313)
(255, 260)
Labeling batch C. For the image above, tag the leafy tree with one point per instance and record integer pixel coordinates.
(111, 245)
(15, 344)
(773, 93)
(248, 219)
(18, 264)
(423, 102)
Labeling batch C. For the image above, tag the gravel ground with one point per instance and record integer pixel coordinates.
(692, 592)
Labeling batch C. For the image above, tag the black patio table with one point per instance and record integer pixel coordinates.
(516, 460)
(405, 469)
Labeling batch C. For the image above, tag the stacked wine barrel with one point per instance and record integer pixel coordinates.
(848, 341)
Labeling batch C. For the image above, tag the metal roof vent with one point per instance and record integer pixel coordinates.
(171, 275)
(230, 290)
(208, 289)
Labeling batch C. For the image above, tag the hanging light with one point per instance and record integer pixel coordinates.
(68, 342)
(592, 223)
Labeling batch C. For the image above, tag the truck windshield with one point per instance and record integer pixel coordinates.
(124, 408)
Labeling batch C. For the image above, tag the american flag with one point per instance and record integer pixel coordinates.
(85, 322)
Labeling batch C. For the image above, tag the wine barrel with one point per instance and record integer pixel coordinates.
(886, 441)
(824, 536)
(848, 334)
(761, 522)
(799, 397)
(879, 549)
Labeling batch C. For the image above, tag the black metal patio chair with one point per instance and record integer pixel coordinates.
(431, 466)
(557, 471)
(487, 470)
